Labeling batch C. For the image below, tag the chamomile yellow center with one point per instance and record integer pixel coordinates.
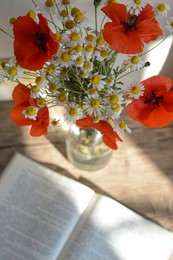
(92, 91)
(69, 24)
(61, 97)
(51, 68)
(116, 107)
(104, 53)
(122, 125)
(74, 36)
(95, 79)
(49, 3)
(79, 16)
(82, 74)
(64, 13)
(12, 72)
(135, 90)
(79, 48)
(35, 88)
(65, 57)
(12, 20)
(53, 87)
(65, 2)
(54, 122)
(135, 59)
(114, 99)
(89, 48)
(95, 103)
(161, 7)
(96, 119)
(58, 36)
(41, 102)
(111, 1)
(137, 2)
(100, 40)
(73, 112)
(74, 10)
(31, 14)
(39, 80)
(87, 65)
(90, 37)
(31, 111)
(79, 60)
(171, 24)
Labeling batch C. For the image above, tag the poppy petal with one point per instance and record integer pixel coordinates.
(18, 118)
(127, 43)
(158, 118)
(138, 110)
(38, 128)
(21, 94)
(108, 141)
(116, 12)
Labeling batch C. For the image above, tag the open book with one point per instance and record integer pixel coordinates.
(46, 216)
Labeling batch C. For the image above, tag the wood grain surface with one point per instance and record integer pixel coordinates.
(139, 174)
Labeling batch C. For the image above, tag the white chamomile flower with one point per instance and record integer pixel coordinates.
(100, 54)
(80, 18)
(93, 106)
(109, 82)
(54, 123)
(89, 50)
(30, 112)
(61, 98)
(97, 81)
(62, 4)
(114, 97)
(136, 6)
(79, 61)
(73, 112)
(64, 59)
(169, 25)
(162, 9)
(114, 110)
(92, 93)
(76, 39)
(133, 63)
(13, 72)
(35, 91)
(135, 89)
(90, 38)
(41, 82)
(87, 67)
(121, 128)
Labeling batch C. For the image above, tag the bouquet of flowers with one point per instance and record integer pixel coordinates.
(74, 66)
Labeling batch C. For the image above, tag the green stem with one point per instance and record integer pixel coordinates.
(34, 3)
(96, 20)
(51, 17)
(6, 33)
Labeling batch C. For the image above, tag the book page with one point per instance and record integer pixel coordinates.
(38, 210)
(114, 232)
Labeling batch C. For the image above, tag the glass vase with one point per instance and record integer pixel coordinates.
(85, 148)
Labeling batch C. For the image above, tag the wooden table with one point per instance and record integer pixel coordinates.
(139, 174)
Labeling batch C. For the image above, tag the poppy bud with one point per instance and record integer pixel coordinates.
(97, 2)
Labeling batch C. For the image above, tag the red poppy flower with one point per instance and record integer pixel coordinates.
(110, 137)
(21, 97)
(34, 44)
(127, 33)
(155, 108)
